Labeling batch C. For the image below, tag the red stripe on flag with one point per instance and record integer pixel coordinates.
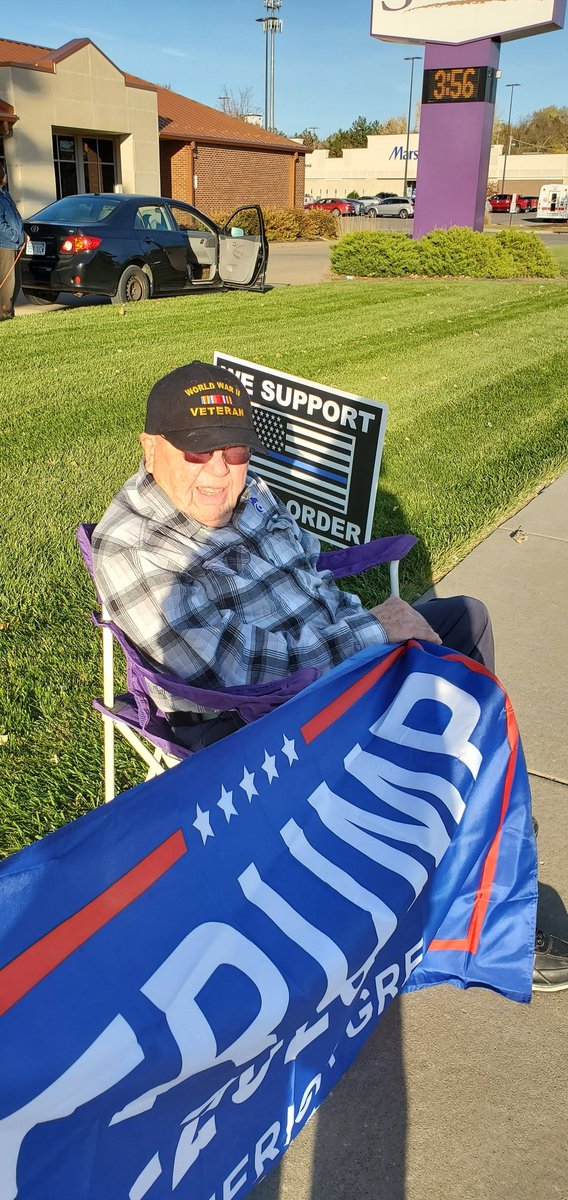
(31, 966)
(483, 895)
(342, 703)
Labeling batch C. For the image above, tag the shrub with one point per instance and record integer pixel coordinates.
(460, 251)
(316, 222)
(512, 253)
(529, 254)
(287, 224)
(374, 254)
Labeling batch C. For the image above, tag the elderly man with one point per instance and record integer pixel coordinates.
(210, 577)
(208, 573)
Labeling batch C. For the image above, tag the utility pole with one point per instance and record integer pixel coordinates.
(411, 59)
(271, 25)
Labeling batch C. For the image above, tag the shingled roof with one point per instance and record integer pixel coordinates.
(179, 117)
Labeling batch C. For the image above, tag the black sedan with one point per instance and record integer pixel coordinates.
(133, 247)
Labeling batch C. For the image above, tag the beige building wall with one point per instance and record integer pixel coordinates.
(380, 167)
(85, 94)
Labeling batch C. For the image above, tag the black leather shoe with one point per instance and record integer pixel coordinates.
(550, 971)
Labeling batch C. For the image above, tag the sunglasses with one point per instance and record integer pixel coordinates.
(233, 456)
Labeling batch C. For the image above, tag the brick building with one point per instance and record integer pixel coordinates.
(71, 121)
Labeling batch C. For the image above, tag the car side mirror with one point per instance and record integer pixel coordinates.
(236, 232)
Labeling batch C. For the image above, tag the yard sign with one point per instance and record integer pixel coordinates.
(324, 449)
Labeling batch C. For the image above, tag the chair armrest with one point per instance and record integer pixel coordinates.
(249, 700)
(359, 558)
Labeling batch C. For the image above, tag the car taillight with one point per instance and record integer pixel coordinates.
(78, 243)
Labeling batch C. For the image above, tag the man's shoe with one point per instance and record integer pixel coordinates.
(550, 971)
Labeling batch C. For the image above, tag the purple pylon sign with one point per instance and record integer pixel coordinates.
(456, 122)
(462, 39)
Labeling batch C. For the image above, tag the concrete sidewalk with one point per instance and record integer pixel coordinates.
(462, 1095)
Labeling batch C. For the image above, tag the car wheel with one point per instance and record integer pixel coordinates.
(405, 212)
(336, 212)
(133, 285)
(40, 297)
(372, 212)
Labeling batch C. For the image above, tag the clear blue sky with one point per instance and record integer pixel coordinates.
(328, 69)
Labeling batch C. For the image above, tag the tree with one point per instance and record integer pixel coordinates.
(394, 125)
(500, 131)
(542, 132)
(238, 104)
(354, 137)
(309, 139)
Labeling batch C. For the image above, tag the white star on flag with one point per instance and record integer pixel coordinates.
(247, 784)
(269, 766)
(203, 824)
(289, 750)
(226, 804)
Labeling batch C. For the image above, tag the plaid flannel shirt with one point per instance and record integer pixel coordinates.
(221, 607)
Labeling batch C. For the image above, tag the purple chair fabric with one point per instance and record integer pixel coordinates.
(138, 710)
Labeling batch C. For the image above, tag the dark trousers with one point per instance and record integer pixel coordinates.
(463, 624)
(7, 283)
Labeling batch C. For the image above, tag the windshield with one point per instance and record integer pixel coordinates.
(80, 210)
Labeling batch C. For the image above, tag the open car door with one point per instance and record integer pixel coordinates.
(243, 249)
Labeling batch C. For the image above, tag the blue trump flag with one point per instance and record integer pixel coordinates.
(186, 972)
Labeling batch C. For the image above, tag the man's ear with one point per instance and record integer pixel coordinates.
(147, 442)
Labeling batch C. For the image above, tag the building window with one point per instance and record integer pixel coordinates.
(83, 164)
(98, 164)
(65, 162)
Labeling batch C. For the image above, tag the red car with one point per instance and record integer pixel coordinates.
(341, 208)
(510, 202)
(527, 203)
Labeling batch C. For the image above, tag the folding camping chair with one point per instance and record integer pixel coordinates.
(135, 715)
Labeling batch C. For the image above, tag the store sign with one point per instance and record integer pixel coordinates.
(456, 21)
(323, 450)
(400, 152)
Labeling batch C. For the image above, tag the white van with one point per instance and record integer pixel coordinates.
(553, 202)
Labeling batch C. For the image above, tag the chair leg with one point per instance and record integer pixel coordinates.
(108, 756)
(157, 761)
(108, 697)
(393, 572)
(157, 767)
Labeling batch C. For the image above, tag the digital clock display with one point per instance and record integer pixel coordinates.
(450, 85)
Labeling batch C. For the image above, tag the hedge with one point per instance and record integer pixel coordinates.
(288, 224)
(511, 253)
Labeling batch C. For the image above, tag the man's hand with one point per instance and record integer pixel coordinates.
(402, 622)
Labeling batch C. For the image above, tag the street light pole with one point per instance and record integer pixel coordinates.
(512, 86)
(270, 25)
(411, 59)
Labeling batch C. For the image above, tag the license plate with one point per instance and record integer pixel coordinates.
(35, 248)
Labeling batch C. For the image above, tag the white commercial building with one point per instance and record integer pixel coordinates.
(380, 167)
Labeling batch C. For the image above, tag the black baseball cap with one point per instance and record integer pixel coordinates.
(201, 407)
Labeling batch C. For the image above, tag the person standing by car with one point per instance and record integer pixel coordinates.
(12, 237)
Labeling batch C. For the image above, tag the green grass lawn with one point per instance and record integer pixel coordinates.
(475, 377)
(560, 255)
